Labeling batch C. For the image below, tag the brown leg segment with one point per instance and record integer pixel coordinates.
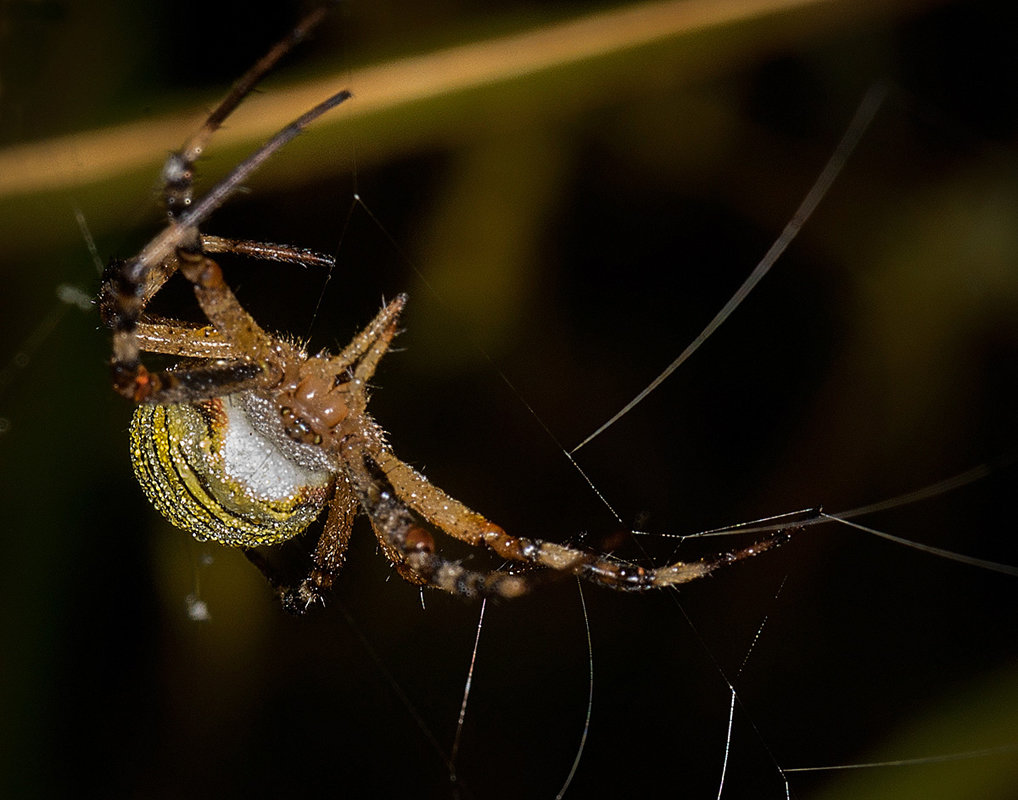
(330, 553)
(459, 521)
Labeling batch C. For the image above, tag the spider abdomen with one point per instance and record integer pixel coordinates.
(218, 470)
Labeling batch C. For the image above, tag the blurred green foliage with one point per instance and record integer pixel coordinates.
(571, 231)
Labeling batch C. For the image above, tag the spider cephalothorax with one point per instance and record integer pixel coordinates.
(250, 439)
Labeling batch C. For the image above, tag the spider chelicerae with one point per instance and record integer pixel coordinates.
(250, 439)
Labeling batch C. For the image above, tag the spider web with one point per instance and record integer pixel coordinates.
(969, 761)
(579, 254)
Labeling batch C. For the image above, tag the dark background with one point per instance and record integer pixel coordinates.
(572, 232)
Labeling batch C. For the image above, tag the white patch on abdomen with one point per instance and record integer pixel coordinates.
(255, 460)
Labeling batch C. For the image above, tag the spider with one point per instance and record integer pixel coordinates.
(251, 439)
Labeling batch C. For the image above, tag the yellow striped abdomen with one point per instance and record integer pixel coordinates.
(219, 469)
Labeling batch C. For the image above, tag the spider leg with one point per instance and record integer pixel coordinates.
(329, 555)
(267, 251)
(189, 341)
(327, 560)
(220, 305)
(185, 385)
(114, 284)
(368, 346)
(154, 265)
(178, 172)
(461, 522)
(411, 547)
(231, 321)
(156, 335)
(128, 286)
